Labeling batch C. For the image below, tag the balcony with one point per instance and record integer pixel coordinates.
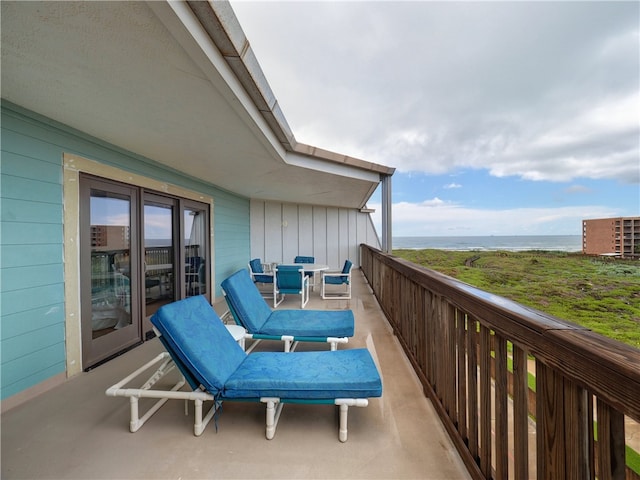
(457, 402)
(76, 431)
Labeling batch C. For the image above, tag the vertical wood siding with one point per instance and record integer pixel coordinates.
(332, 235)
(31, 245)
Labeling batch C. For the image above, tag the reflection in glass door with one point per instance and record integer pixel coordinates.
(195, 251)
(159, 245)
(110, 322)
(139, 251)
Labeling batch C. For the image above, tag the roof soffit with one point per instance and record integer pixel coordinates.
(112, 70)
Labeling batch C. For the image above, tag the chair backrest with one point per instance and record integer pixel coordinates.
(347, 266)
(193, 334)
(302, 259)
(257, 272)
(256, 266)
(289, 278)
(193, 263)
(248, 307)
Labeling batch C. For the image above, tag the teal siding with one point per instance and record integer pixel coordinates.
(232, 250)
(31, 242)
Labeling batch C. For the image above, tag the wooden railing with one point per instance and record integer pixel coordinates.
(474, 353)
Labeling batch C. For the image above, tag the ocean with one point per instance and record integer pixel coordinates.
(563, 243)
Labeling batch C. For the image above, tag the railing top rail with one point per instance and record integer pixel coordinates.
(608, 368)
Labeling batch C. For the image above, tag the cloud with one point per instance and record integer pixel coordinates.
(437, 218)
(452, 185)
(543, 91)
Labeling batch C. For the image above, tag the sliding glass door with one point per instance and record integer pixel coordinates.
(139, 250)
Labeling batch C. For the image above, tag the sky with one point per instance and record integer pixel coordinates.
(501, 118)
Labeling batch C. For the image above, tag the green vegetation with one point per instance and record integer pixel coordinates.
(600, 294)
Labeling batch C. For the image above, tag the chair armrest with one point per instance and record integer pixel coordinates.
(265, 277)
(267, 274)
(335, 273)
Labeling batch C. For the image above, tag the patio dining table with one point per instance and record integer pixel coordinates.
(314, 268)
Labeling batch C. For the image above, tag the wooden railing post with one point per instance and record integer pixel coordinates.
(520, 414)
(611, 454)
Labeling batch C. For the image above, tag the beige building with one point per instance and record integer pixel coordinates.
(611, 236)
(109, 237)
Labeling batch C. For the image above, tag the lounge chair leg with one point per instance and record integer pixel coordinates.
(344, 404)
(134, 423)
(201, 423)
(197, 423)
(273, 415)
(342, 433)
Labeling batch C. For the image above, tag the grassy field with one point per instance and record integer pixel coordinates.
(600, 294)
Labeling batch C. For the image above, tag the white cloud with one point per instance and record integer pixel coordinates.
(536, 90)
(452, 185)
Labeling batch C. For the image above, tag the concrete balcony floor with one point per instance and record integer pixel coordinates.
(76, 431)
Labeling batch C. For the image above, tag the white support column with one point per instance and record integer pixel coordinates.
(386, 214)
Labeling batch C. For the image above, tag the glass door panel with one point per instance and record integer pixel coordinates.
(195, 251)
(159, 247)
(110, 321)
(110, 263)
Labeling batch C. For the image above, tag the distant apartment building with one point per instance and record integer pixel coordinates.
(109, 237)
(612, 236)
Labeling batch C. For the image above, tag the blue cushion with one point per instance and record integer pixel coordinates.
(303, 259)
(310, 323)
(256, 266)
(335, 280)
(245, 301)
(194, 334)
(306, 375)
(289, 279)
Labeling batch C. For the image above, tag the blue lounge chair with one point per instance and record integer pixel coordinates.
(252, 312)
(218, 370)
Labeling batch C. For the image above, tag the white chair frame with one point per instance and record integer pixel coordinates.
(274, 404)
(278, 296)
(346, 295)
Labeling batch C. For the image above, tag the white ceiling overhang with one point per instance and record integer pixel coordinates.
(175, 82)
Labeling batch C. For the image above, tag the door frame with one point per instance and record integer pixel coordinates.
(73, 165)
(96, 350)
